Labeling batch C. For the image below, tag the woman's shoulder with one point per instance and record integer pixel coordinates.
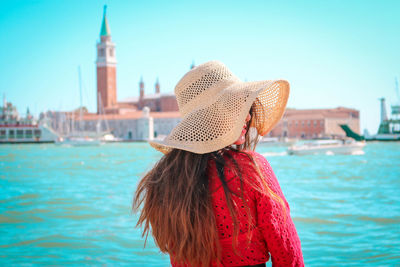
(251, 164)
(248, 156)
(255, 173)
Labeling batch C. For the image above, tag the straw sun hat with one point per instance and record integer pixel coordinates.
(214, 104)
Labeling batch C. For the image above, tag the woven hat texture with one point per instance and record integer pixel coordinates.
(214, 104)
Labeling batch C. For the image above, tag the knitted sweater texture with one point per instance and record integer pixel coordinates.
(270, 233)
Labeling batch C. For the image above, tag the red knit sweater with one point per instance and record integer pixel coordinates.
(272, 232)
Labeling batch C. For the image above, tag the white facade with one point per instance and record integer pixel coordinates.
(163, 126)
(106, 54)
(136, 129)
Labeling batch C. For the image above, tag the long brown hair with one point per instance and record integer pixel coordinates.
(175, 201)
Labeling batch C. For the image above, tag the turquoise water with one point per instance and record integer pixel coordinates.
(71, 205)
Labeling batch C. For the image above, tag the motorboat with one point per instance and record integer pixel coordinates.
(345, 146)
(110, 138)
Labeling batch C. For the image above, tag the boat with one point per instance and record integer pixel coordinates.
(110, 138)
(345, 146)
(383, 137)
(367, 137)
(17, 130)
(389, 128)
(27, 134)
(78, 137)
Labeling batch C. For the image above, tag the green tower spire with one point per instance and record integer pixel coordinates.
(105, 29)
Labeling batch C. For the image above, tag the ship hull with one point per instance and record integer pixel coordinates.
(336, 148)
(384, 137)
(26, 134)
(27, 142)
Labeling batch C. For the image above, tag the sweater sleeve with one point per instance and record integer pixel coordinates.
(275, 222)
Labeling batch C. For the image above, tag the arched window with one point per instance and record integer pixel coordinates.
(101, 52)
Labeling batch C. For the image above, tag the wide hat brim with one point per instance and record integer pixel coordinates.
(219, 122)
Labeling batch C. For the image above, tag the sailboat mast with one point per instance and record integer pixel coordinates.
(80, 98)
(102, 117)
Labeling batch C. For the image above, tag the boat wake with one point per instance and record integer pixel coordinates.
(275, 154)
(330, 153)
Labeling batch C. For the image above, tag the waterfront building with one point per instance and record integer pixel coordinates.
(316, 123)
(154, 115)
(134, 126)
(106, 69)
(133, 118)
(107, 82)
(157, 102)
(9, 115)
(144, 117)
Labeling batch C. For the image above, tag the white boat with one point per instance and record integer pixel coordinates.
(383, 137)
(389, 128)
(28, 134)
(17, 130)
(109, 138)
(78, 137)
(346, 146)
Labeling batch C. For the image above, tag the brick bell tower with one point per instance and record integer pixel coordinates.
(106, 69)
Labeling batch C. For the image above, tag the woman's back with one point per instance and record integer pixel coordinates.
(206, 202)
(270, 228)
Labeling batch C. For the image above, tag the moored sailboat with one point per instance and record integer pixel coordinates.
(80, 137)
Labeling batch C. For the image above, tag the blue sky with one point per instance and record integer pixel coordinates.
(334, 53)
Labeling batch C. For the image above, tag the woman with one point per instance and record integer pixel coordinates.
(211, 200)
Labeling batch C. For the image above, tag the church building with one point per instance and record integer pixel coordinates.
(107, 83)
(149, 116)
(139, 118)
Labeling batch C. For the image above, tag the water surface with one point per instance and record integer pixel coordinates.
(71, 205)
